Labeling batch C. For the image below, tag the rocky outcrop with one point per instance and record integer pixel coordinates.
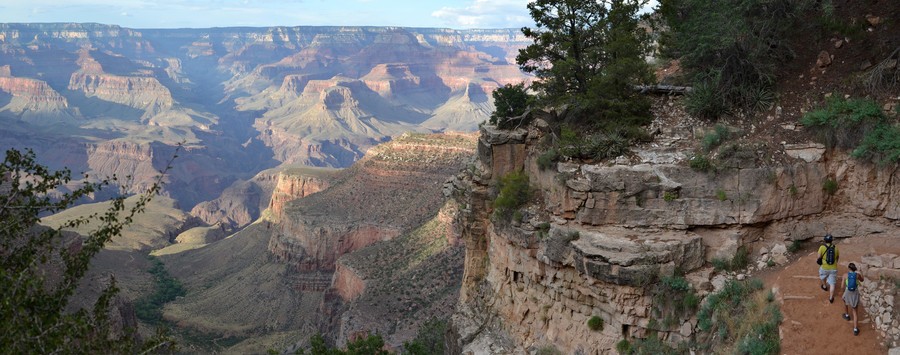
(404, 175)
(32, 98)
(598, 231)
(297, 183)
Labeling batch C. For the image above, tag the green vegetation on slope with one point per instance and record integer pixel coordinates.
(149, 308)
(857, 124)
(741, 318)
(515, 191)
(729, 49)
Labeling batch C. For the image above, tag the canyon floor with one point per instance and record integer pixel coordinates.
(812, 325)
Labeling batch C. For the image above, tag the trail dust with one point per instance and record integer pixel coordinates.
(811, 324)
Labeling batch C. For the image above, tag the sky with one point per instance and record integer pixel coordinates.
(457, 14)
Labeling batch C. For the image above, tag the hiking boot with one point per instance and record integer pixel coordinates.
(824, 288)
(846, 316)
(855, 331)
(830, 299)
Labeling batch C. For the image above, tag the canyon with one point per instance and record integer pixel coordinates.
(342, 181)
(104, 100)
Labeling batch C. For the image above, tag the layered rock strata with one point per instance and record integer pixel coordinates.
(394, 189)
(585, 246)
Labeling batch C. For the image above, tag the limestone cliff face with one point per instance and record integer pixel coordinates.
(291, 186)
(360, 206)
(145, 93)
(29, 96)
(599, 229)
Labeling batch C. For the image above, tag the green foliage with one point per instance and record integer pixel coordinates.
(720, 264)
(793, 190)
(715, 138)
(32, 302)
(858, 124)
(592, 146)
(429, 340)
(623, 347)
(509, 101)
(548, 350)
(881, 144)
(795, 246)
(700, 162)
(832, 24)
(652, 345)
(830, 186)
(595, 323)
(674, 300)
(721, 195)
(740, 261)
(149, 308)
(764, 338)
(743, 314)
(670, 196)
(547, 159)
(543, 229)
(588, 55)
(741, 258)
(370, 345)
(515, 191)
(729, 49)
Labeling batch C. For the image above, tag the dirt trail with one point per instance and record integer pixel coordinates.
(812, 325)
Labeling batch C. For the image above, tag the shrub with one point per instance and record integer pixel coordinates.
(429, 340)
(858, 124)
(674, 299)
(548, 350)
(720, 264)
(515, 191)
(720, 195)
(652, 345)
(793, 190)
(547, 159)
(670, 196)
(741, 258)
(729, 49)
(830, 186)
(881, 144)
(715, 138)
(700, 162)
(623, 347)
(743, 314)
(795, 246)
(595, 323)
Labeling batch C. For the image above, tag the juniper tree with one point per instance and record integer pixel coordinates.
(588, 54)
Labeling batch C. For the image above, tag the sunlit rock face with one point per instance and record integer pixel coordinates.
(596, 232)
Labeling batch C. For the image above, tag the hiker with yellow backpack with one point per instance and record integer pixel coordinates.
(828, 259)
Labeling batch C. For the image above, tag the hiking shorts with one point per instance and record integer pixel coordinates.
(851, 298)
(830, 274)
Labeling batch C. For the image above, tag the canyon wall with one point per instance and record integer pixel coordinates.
(597, 231)
(394, 189)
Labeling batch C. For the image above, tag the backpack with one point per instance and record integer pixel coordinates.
(829, 254)
(851, 281)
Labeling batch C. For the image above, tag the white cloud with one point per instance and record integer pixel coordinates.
(486, 14)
